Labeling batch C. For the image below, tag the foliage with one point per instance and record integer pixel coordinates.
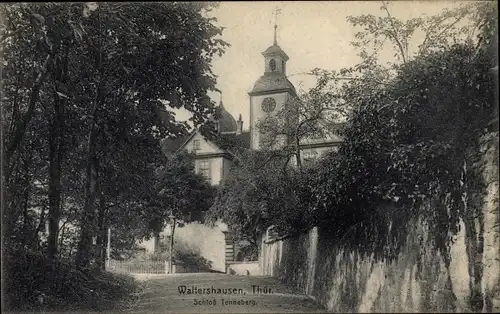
(416, 36)
(252, 195)
(407, 144)
(96, 62)
(228, 142)
(248, 253)
(31, 283)
(192, 262)
(89, 91)
(310, 117)
(186, 256)
(410, 140)
(181, 191)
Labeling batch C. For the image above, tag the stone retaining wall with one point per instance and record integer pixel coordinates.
(418, 280)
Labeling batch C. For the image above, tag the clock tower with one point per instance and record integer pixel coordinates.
(271, 91)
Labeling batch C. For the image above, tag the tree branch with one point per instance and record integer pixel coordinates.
(394, 36)
(347, 78)
(22, 126)
(427, 36)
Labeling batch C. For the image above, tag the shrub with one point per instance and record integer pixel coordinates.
(248, 252)
(32, 282)
(186, 256)
(192, 261)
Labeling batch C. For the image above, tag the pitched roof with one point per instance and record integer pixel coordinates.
(227, 141)
(233, 141)
(170, 146)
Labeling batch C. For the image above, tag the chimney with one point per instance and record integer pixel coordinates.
(239, 125)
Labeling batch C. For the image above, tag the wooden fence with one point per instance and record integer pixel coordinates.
(138, 267)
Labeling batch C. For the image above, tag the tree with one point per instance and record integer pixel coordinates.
(89, 84)
(409, 143)
(35, 45)
(143, 71)
(182, 193)
(256, 194)
(440, 31)
(466, 22)
(313, 116)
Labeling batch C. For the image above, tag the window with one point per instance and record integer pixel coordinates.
(196, 145)
(271, 234)
(204, 168)
(272, 65)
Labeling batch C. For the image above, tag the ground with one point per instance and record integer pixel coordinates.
(161, 294)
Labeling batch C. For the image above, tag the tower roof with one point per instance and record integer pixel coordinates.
(227, 123)
(275, 50)
(272, 81)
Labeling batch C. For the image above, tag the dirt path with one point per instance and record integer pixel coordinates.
(220, 293)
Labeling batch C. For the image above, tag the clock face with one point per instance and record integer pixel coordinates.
(268, 104)
(272, 65)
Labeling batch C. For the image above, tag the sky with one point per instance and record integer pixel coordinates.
(314, 34)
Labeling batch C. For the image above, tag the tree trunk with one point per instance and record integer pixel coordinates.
(297, 153)
(26, 219)
(172, 246)
(26, 179)
(54, 193)
(61, 234)
(101, 236)
(41, 224)
(56, 135)
(84, 253)
(104, 256)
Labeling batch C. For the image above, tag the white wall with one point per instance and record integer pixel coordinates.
(208, 242)
(245, 269)
(257, 113)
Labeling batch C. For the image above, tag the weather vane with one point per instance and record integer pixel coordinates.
(276, 12)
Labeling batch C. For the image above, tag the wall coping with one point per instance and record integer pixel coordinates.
(238, 262)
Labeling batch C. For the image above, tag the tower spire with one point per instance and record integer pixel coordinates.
(275, 40)
(276, 12)
(220, 103)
